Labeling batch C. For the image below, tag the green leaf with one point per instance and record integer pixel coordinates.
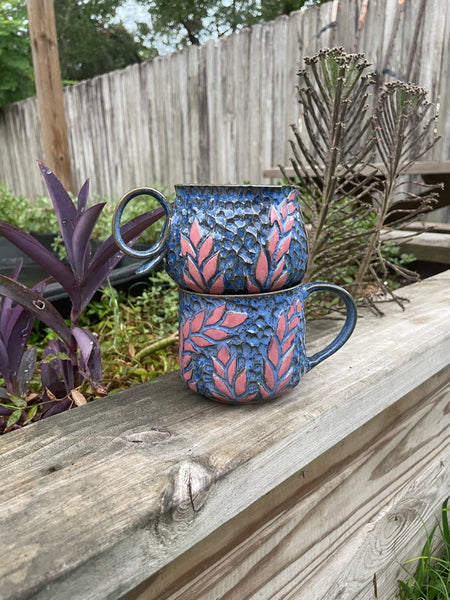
(32, 412)
(50, 357)
(17, 401)
(13, 418)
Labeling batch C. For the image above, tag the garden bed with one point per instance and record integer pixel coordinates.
(157, 492)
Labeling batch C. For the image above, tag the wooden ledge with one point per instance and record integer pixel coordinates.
(426, 168)
(431, 246)
(97, 500)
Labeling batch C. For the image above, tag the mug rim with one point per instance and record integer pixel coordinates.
(236, 186)
(243, 295)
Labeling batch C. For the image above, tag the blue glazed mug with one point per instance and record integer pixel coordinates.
(226, 239)
(251, 348)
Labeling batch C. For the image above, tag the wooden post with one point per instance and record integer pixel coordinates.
(44, 47)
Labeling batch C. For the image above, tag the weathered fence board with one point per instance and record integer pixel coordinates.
(156, 492)
(221, 113)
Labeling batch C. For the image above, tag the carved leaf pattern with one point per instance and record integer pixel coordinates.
(202, 330)
(278, 363)
(200, 270)
(270, 272)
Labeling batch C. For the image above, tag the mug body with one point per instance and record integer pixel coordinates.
(235, 239)
(250, 348)
(242, 348)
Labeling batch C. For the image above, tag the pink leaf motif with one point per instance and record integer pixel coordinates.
(216, 334)
(262, 268)
(280, 282)
(197, 322)
(293, 324)
(241, 383)
(194, 234)
(284, 387)
(200, 341)
(194, 272)
(186, 361)
(286, 363)
(264, 393)
(185, 329)
(221, 386)
(269, 376)
(223, 355)
(186, 247)
(234, 319)
(187, 375)
(291, 199)
(273, 242)
(288, 342)
(231, 371)
(219, 396)
(218, 368)
(216, 315)
(284, 247)
(193, 386)
(248, 398)
(273, 352)
(291, 309)
(275, 218)
(252, 288)
(281, 327)
(191, 285)
(218, 287)
(289, 224)
(205, 250)
(277, 271)
(284, 210)
(210, 268)
(188, 347)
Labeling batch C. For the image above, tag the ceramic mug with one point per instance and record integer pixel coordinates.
(226, 239)
(250, 348)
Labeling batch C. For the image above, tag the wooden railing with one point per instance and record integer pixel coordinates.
(156, 492)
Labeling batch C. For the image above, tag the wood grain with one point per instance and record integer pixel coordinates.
(96, 501)
(47, 74)
(359, 510)
(221, 113)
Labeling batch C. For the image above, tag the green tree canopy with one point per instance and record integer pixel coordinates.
(183, 22)
(92, 41)
(16, 69)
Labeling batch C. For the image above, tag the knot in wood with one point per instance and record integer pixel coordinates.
(187, 490)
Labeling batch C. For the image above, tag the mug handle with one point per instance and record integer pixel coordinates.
(155, 252)
(347, 328)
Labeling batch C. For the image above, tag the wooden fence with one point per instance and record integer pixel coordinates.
(220, 113)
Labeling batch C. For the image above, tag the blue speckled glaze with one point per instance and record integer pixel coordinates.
(231, 239)
(251, 348)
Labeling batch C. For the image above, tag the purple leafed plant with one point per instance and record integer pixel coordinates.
(17, 362)
(76, 352)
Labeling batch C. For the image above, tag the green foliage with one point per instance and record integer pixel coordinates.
(91, 42)
(138, 335)
(16, 80)
(184, 22)
(32, 217)
(39, 216)
(431, 578)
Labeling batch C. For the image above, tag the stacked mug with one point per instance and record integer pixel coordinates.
(238, 254)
